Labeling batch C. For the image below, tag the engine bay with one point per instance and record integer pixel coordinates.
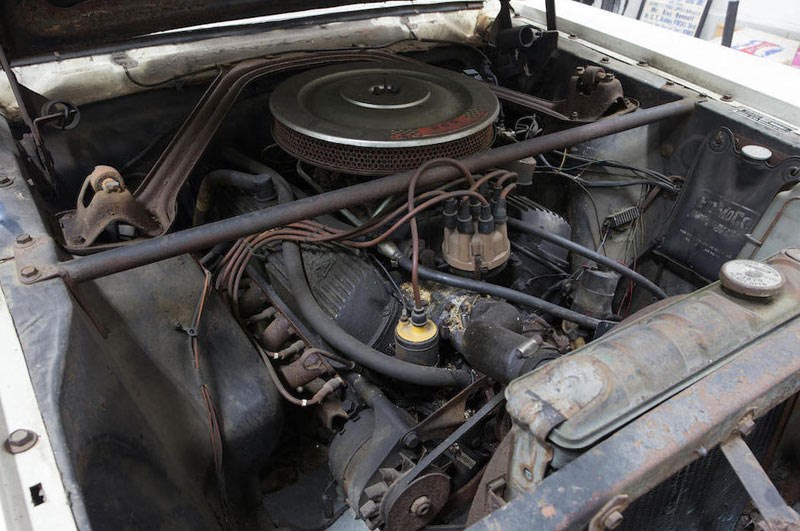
(361, 269)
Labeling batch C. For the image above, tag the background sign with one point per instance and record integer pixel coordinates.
(682, 16)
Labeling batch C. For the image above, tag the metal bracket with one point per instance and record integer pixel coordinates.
(592, 94)
(37, 110)
(495, 494)
(29, 252)
(105, 203)
(778, 516)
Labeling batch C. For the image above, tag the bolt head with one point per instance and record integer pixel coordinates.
(411, 440)
(24, 239)
(348, 406)
(21, 440)
(613, 520)
(29, 271)
(746, 426)
(421, 506)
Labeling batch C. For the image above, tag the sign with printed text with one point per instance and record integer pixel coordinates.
(682, 16)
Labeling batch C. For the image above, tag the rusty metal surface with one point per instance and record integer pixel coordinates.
(40, 26)
(309, 366)
(103, 201)
(31, 254)
(362, 160)
(277, 333)
(444, 420)
(610, 515)
(490, 493)
(592, 93)
(159, 190)
(777, 514)
(655, 446)
(578, 399)
(155, 249)
(418, 503)
(423, 465)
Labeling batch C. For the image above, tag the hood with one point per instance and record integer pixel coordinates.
(30, 28)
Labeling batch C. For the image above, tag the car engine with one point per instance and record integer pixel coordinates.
(333, 268)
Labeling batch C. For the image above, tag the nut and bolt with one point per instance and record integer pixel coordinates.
(580, 70)
(24, 239)
(726, 97)
(613, 520)
(29, 271)
(5, 180)
(574, 115)
(604, 59)
(421, 506)
(110, 185)
(411, 440)
(746, 425)
(21, 440)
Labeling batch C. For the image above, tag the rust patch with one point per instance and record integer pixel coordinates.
(548, 511)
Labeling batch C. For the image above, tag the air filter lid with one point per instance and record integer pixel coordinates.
(369, 107)
(384, 105)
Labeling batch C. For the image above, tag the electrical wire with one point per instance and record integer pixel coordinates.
(215, 432)
(171, 80)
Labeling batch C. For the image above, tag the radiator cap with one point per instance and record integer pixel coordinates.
(750, 278)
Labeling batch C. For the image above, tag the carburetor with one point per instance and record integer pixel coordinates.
(476, 237)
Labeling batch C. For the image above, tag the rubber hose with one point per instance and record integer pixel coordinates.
(508, 294)
(577, 248)
(261, 184)
(351, 347)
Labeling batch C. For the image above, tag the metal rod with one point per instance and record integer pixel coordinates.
(730, 23)
(205, 236)
(28, 119)
(759, 486)
(550, 14)
(701, 24)
(16, 90)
